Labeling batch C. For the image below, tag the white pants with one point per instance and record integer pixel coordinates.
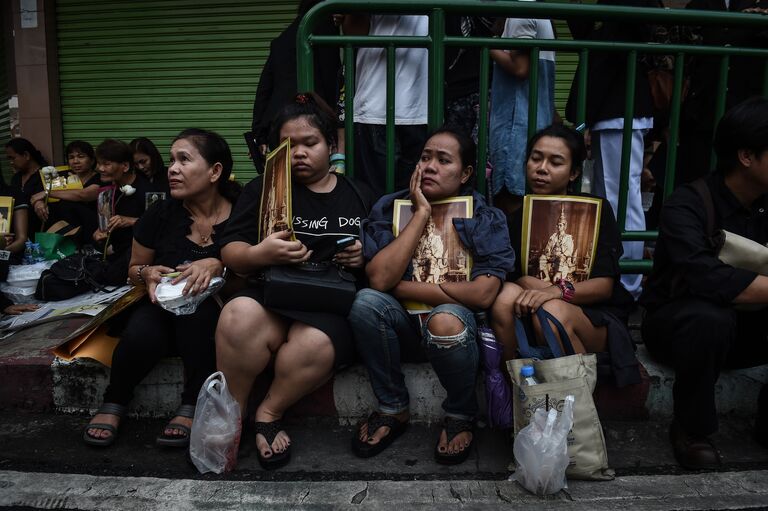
(606, 152)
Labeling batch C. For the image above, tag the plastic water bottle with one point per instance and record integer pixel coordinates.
(527, 377)
(29, 257)
(37, 253)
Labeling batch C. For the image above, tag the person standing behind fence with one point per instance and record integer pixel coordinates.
(697, 119)
(278, 83)
(509, 108)
(693, 321)
(462, 74)
(606, 82)
(370, 104)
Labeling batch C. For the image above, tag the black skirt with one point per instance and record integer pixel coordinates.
(336, 327)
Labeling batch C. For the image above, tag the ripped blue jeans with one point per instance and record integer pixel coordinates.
(382, 328)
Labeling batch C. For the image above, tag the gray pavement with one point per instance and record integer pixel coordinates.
(44, 465)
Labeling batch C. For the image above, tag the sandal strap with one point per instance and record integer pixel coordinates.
(269, 430)
(454, 426)
(187, 411)
(113, 409)
(102, 426)
(377, 420)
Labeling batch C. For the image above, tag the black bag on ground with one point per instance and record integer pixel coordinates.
(309, 287)
(74, 275)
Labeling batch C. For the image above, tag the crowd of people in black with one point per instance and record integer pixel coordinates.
(191, 218)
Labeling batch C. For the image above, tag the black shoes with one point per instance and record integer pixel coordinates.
(693, 453)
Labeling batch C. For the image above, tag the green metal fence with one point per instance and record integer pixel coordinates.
(437, 40)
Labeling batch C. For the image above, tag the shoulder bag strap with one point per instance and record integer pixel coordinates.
(547, 320)
(524, 347)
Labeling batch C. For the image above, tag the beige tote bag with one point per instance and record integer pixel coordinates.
(558, 377)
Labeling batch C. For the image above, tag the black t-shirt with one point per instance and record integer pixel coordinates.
(319, 219)
(131, 206)
(23, 194)
(164, 228)
(607, 254)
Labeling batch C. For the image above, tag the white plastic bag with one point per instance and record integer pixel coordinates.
(169, 295)
(541, 450)
(216, 427)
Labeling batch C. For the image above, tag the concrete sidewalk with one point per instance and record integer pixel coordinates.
(35, 380)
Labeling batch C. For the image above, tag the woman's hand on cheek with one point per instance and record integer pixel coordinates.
(420, 202)
(352, 256)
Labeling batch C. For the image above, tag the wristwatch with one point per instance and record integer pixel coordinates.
(567, 289)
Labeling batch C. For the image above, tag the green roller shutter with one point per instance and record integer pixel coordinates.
(155, 67)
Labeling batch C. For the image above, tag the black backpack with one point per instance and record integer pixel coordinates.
(74, 275)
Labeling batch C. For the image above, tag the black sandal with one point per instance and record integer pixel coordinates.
(453, 427)
(363, 449)
(164, 440)
(110, 409)
(269, 431)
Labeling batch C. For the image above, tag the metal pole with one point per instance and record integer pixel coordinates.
(533, 91)
(390, 183)
(436, 69)
(349, 106)
(674, 125)
(482, 121)
(626, 141)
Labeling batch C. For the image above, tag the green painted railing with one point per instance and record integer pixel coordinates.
(437, 40)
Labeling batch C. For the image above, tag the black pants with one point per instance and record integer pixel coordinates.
(371, 154)
(699, 339)
(152, 334)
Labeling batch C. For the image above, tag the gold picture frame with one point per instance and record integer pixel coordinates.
(440, 256)
(6, 214)
(559, 236)
(275, 206)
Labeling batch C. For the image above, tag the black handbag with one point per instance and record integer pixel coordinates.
(72, 276)
(309, 287)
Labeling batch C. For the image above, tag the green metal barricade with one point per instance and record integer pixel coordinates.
(437, 40)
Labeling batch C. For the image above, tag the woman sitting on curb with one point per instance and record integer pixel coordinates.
(181, 234)
(76, 207)
(304, 346)
(382, 326)
(593, 311)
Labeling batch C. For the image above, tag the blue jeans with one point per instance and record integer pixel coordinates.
(381, 326)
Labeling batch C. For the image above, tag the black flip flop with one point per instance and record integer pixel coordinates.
(109, 409)
(453, 427)
(164, 440)
(269, 431)
(376, 420)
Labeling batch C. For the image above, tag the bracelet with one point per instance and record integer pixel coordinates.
(567, 291)
(140, 269)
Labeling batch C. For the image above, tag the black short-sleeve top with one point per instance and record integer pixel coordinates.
(33, 185)
(607, 255)
(131, 206)
(319, 219)
(164, 228)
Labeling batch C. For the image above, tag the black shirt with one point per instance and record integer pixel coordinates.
(462, 68)
(319, 219)
(164, 228)
(23, 194)
(607, 255)
(685, 263)
(131, 206)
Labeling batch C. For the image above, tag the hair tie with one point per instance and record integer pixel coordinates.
(302, 99)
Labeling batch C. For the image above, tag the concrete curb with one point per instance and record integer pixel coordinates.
(725, 490)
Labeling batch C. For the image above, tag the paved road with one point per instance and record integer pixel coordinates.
(43, 465)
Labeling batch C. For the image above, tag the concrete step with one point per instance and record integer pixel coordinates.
(33, 379)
